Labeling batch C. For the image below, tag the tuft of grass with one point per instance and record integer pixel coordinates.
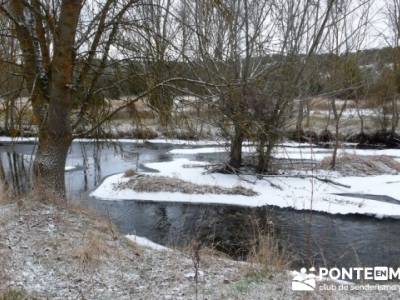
(92, 251)
(149, 184)
(144, 133)
(130, 173)
(266, 253)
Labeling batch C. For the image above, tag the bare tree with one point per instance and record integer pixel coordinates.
(349, 24)
(60, 43)
(230, 40)
(393, 19)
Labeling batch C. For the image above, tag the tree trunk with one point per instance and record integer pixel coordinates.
(308, 113)
(360, 116)
(235, 160)
(395, 117)
(300, 117)
(55, 138)
(264, 159)
(261, 156)
(49, 163)
(336, 146)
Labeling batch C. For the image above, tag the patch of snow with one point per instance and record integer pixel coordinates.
(289, 152)
(293, 192)
(296, 144)
(153, 141)
(191, 275)
(142, 241)
(206, 150)
(8, 139)
(350, 113)
(71, 168)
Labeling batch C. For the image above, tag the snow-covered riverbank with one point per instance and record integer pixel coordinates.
(301, 193)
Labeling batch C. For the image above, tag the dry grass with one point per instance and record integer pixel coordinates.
(130, 173)
(363, 165)
(150, 184)
(144, 133)
(93, 250)
(266, 254)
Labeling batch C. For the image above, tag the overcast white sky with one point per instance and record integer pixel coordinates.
(378, 27)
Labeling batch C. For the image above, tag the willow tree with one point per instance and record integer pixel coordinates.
(350, 23)
(257, 49)
(158, 29)
(65, 46)
(229, 45)
(392, 13)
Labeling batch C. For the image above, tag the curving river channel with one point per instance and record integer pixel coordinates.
(315, 238)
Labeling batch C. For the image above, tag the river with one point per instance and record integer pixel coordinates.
(313, 238)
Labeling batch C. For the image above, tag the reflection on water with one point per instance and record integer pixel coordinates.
(94, 161)
(320, 238)
(15, 168)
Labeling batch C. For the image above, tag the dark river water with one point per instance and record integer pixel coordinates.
(313, 238)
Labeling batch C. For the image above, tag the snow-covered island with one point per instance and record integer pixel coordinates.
(317, 190)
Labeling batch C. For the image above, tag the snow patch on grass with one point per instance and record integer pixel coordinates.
(71, 168)
(144, 242)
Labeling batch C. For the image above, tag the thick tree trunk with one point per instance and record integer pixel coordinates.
(235, 160)
(55, 138)
(49, 163)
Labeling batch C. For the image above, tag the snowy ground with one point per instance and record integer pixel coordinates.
(350, 113)
(51, 252)
(287, 192)
(144, 242)
(7, 139)
(290, 151)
